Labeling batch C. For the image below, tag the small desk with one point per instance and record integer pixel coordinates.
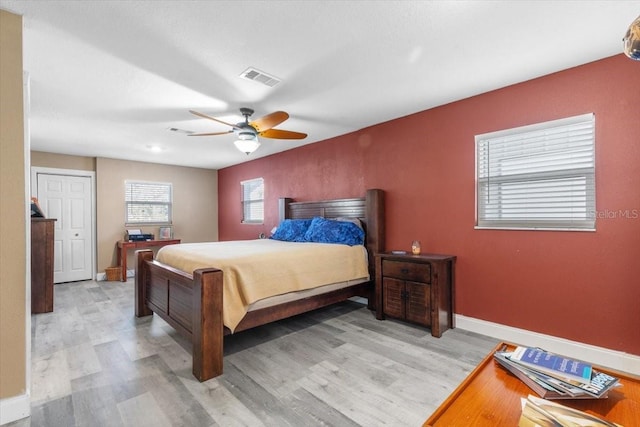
(123, 245)
(490, 396)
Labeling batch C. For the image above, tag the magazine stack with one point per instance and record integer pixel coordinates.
(538, 412)
(556, 377)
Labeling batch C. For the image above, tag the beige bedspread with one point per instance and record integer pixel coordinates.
(257, 269)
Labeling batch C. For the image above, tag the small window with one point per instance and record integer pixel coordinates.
(253, 201)
(148, 202)
(537, 177)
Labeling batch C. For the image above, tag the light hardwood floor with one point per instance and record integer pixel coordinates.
(95, 364)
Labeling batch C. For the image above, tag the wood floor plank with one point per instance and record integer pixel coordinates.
(223, 407)
(50, 377)
(142, 411)
(366, 383)
(47, 336)
(177, 403)
(82, 360)
(271, 368)
(96, 407)
(317, 412)
(263, 404)
(53, 413)
(354, 406)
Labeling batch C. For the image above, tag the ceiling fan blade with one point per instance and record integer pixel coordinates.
(204, 116)
(211, 133)
(282, 134)
(270, 120)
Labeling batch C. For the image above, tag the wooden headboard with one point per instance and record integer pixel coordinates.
(368, 209)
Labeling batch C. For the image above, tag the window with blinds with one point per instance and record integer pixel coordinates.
(253, 201)
(148, 202)
(540, 176)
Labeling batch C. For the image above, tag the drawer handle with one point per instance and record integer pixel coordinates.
(404, 270)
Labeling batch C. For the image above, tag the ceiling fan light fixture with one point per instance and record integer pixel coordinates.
(246, 135)
(631, 40)
(247, 146)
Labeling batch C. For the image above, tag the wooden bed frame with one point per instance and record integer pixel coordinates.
(192, 303)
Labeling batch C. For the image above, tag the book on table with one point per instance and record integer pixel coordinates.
(549, 387)
(538, 412)
(557, 366)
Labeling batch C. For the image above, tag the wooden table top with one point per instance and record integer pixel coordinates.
(146, 243)
(490, 396)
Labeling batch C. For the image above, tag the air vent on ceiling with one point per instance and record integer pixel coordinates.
(260, 77)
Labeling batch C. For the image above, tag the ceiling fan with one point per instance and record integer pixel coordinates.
(247, 132)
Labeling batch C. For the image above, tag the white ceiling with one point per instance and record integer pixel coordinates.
(108, 78)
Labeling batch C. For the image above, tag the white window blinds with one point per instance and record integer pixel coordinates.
(148, 202)
(537, 177)
(253, 201)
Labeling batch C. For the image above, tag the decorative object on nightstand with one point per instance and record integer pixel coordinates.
(416, 288)
(415, 247)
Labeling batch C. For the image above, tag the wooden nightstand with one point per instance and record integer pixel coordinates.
(416, 288)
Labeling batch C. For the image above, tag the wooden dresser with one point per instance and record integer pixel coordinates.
(42, 230)
(416, 288)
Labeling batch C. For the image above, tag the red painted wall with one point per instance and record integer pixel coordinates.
(582, 286)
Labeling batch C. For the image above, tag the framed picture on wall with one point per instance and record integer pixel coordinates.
(166, 232)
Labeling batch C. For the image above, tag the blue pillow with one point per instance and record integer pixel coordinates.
(324, 230)
(292, 230)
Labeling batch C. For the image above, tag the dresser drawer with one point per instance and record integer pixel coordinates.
(415, 272)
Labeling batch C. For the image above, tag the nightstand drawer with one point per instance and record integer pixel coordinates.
(415, 272)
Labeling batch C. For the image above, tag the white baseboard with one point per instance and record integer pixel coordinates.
(601, 356)
(14, 408)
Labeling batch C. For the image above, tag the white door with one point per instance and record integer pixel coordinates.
(68, 200)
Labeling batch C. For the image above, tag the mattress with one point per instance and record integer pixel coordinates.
(254, 270)
(298, 295)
